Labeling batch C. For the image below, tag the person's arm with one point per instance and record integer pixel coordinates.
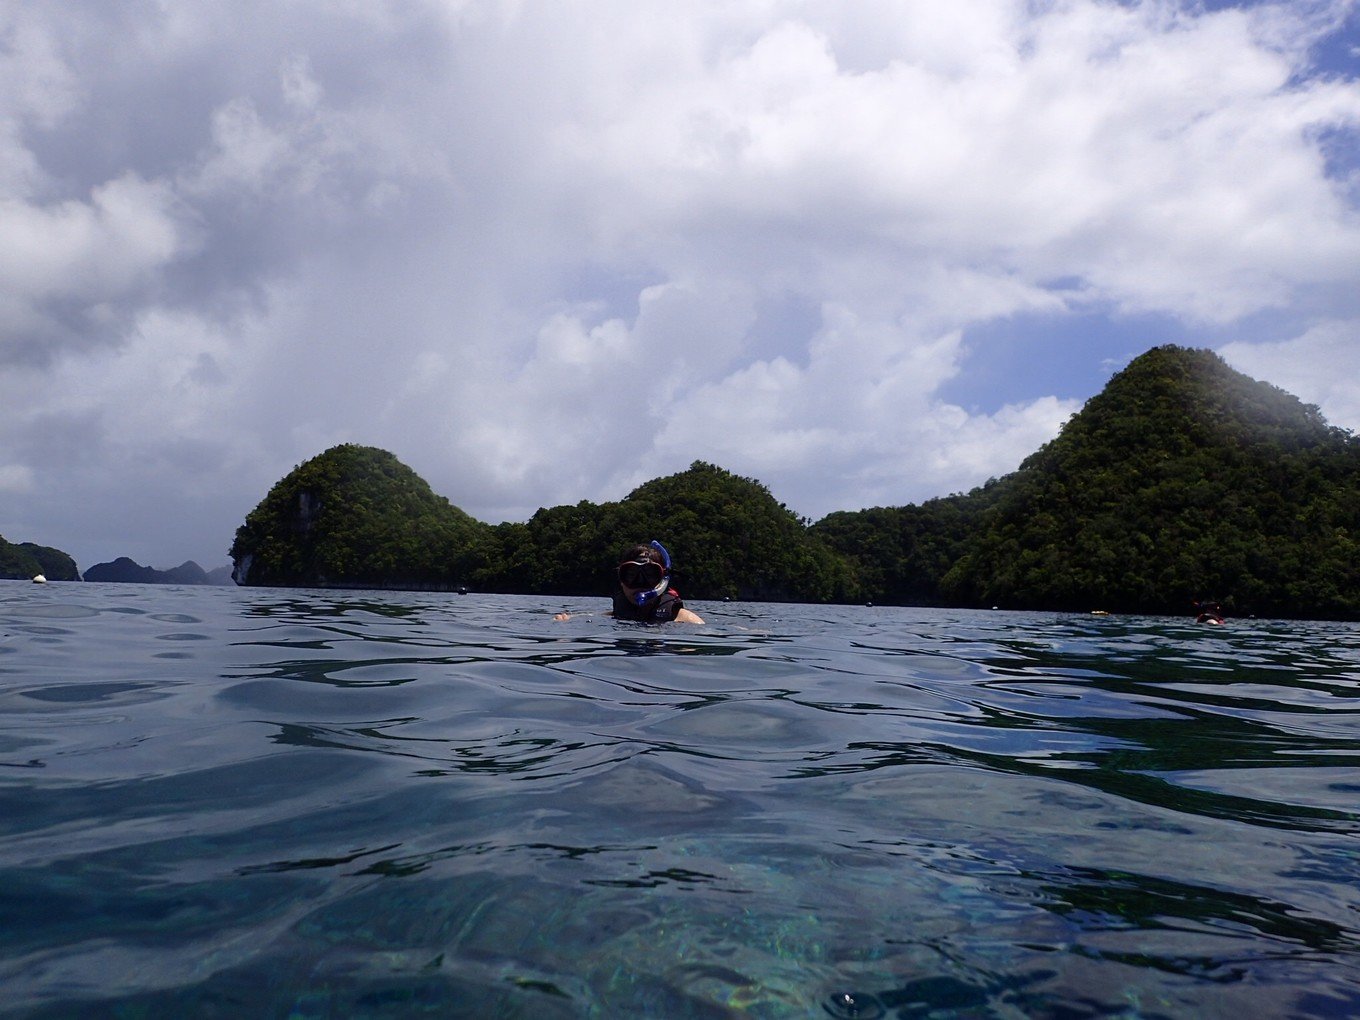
(685, 616)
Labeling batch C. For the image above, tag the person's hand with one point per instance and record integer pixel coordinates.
(562, 616)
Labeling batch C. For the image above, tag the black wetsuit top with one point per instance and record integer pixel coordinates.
(662, 609)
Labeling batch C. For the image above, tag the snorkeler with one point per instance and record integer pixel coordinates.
(1210, 612)
(644, 592)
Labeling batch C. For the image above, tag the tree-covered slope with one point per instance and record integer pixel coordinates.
(899, 555)
(24, 560)
(356, 515)
(1182, 479)
(728, 535)
(737, 539)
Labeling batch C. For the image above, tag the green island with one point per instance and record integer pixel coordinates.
(25, 560)
(1182, 480)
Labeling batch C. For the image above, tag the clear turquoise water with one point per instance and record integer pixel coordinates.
(222, 802)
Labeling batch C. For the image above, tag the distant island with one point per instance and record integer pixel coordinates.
(1182, 480)
(356, 516)
(126, 571)
(24, 561)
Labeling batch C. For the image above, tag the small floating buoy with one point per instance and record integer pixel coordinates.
(39, 579)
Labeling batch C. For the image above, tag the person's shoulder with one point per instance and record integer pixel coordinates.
(684, 615)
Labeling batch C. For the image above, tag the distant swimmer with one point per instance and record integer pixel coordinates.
(1210, 613)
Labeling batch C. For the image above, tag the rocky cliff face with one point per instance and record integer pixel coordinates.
(240, 568)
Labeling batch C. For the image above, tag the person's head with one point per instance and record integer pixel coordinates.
(644, 571)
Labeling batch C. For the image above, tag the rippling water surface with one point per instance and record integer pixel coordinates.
(223, 802)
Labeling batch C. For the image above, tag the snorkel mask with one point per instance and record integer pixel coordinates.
(642, 570)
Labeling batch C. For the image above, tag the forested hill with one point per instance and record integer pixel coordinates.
(1182, 480)
(730, 538)
(356, 516)
(23, 560)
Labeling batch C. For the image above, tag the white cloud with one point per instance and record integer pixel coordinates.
(38, 85)
(860, 417)
(82, 253)
(15, 478)
(544, 252)
(1166, 161)
(1321, 366)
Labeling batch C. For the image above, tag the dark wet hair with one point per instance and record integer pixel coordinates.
(640, 553)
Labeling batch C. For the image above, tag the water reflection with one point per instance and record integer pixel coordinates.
(1100, 900)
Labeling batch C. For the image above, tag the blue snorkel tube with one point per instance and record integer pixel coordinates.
(643, 597)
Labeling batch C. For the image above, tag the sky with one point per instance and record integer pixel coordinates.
(866, 252)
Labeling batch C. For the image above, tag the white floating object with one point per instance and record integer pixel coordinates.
(39, 579)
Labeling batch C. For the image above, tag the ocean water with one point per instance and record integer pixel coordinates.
(278, 803)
